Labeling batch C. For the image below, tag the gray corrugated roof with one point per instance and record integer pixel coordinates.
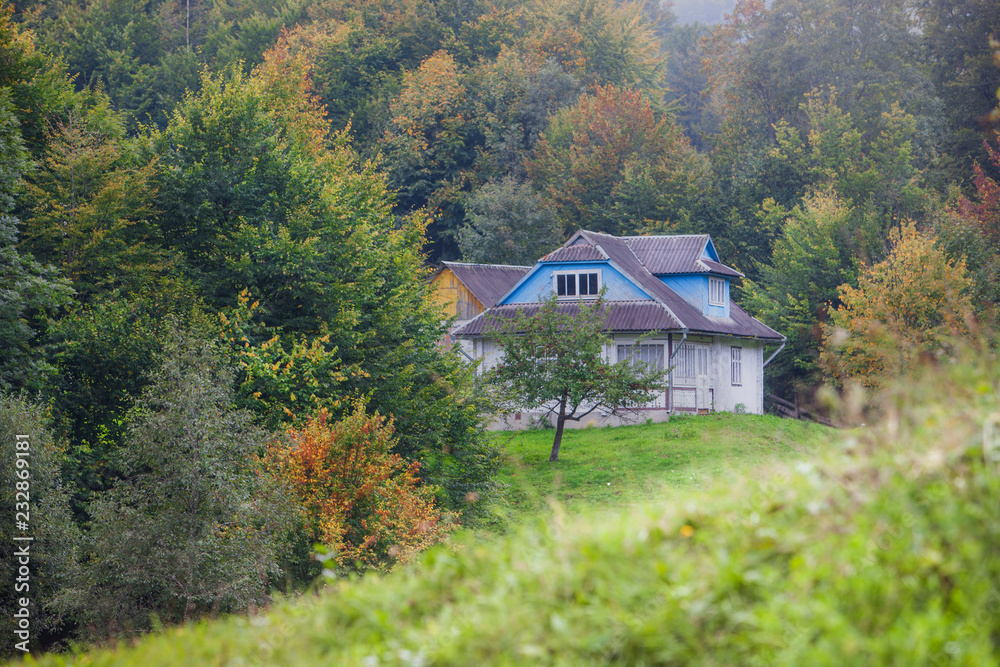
(738, 324)
(668, 255)
(573, 253)
(487, 282)
(721, 269)
(639, 316)
(668, 312)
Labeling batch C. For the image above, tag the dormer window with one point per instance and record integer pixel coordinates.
(577, 284)
(716, 292)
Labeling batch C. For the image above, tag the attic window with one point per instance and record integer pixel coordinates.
(576, 284)
(716, 292)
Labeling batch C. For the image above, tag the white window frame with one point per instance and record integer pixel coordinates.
(576, 273)
(716, 291)
(685, 363)
(652, 354)
(736, 365)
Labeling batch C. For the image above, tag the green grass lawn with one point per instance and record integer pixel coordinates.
(609, 468)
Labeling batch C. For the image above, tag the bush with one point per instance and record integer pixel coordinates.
(53, 552)
(197, 525)
(361, 501)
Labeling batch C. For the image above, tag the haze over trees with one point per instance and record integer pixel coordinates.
(272, 180)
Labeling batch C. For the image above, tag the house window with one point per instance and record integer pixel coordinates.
(737, 365)
(685, 362)
(716, 292)
(651, 355)
(577, 283)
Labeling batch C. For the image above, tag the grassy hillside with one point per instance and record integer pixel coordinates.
(612, 468)
(885, 550)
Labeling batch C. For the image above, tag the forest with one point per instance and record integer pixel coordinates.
(217, 221)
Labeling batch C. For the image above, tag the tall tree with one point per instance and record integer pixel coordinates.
(815, 253)
(427, 144)
(197, 525)
(508, 223)
(956, 37)
(601, 42)
(89, 206)
(257, 199)
(610, 164)
(35, 494)
(763, 60)
(912, 305)
(28, 291)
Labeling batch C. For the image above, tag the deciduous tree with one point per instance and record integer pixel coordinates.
(508, 223)
(34, 493)
(362, 501)
(28, 291)
(912, 305)
(197, 526)
(610, 164)
(555, 359)
(814, 254)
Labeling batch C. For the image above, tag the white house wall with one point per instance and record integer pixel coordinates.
(751, 392)
(725, 396)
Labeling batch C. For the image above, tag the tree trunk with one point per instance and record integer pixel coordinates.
(560, 423)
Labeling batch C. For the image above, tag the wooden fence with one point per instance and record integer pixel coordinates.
(783, 408)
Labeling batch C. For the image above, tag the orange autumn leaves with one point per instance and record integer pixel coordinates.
(360, 500)
(912, 306)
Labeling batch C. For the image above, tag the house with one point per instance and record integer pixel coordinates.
(463, 290)
(669, 294)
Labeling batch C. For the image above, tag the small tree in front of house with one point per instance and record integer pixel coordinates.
(555, 359)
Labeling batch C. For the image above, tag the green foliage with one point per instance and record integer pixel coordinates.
(280, 384)
(763, 60)
(508, 223)
(29, 291)
(37, 85)
(872, 169)
(815, 254)
(196, 526)
(687, 84)
(427, 143)
(858, 187)
(105, 354)
(601, 42)
(963, 239)
(356, 72)
(144, 55)
(956, 38)
(556, 359)
(53, 552)
(609, 164)
(880, 552)
(89, 206)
